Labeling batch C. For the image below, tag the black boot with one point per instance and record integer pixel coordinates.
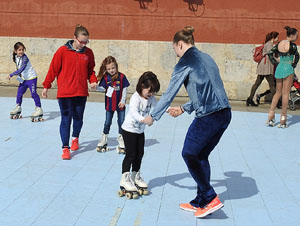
(258, 99)
(250, 102)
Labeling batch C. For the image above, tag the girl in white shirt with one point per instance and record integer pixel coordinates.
(133, 127)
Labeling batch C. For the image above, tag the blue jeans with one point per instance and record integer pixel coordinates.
(71, 108)
(108, 120)
(203, 135)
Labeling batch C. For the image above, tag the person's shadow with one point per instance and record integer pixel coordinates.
(237, 187)
(293, 119)
(112, 144)
(50, 115)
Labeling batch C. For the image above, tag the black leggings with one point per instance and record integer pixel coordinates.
(134, 146)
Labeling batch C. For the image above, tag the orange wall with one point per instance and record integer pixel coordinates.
(217, 21)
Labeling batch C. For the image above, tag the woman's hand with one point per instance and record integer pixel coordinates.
(175, 111)
(8, 77)
(148, 120)
(44, 93)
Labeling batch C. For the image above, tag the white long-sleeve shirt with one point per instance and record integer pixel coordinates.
(24, 68)
(139, 108)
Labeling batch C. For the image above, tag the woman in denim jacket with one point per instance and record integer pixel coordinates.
(200, 76)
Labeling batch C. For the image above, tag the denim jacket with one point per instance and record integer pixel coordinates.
(200, 75)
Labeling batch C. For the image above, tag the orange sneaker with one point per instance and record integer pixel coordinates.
(66, 154)
(74, 145)
(213, 206)
(188, 207)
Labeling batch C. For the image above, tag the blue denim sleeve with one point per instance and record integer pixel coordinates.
(23, 66)
(188, 107)
(177, 79)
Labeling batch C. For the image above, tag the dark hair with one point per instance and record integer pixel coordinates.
(102, 70)
(148, 80)
(79, 29)
(290, 31)
(16, 47)
(271, 35)
(185, 35)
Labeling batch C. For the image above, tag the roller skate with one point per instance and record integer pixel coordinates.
(283, 120)
(141, 185)
(102, 145)
(121, 146)
(16, 112)
(271, 119)
(37, 116)
(127, 187)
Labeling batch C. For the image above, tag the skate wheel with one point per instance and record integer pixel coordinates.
(145, 192)
(135, 196)
(120, 193)
(98, 149)
(128, 195)
(140, 191)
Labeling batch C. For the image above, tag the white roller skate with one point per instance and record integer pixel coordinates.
(283, 120)
(139, 182)
(102, 145)
(127, 187)
(16, 112)
(271, 119)
(121, 146)
(37, 115)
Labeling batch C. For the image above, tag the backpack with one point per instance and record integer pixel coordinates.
(258, 53)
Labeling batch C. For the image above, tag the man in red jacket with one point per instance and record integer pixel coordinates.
(72, 64)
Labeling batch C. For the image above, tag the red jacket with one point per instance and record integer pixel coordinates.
(72, 70)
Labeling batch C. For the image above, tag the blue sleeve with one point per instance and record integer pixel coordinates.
(25, 61)
(188, 107)
(103, 83)
(125, 82)
(177, 79)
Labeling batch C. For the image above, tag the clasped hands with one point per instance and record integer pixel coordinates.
(173, 111)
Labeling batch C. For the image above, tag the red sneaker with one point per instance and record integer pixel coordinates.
(213, 206)
(74, 145)
(66, 154)
(188, 207)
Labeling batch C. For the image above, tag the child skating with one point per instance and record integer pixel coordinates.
(133, 127)
(114, 84)
(27, 77)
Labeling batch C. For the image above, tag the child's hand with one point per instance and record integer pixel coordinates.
(93, 86)
(148, 120)
(121, 105)
(44, 93)
(8, 77)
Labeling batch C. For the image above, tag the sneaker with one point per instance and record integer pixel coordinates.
(213, 206)
(66, 154)
(188, 207)
(74, 145)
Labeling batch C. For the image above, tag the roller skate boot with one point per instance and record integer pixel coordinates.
(271, 119)
(127, 187)
(283, 119)
(75, 145)
(66, 154)
(102, 145)
(37, 115)
(16, 112)
(121, 146)
(139, 182)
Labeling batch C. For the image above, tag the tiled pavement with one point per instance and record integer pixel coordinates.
(255, 170)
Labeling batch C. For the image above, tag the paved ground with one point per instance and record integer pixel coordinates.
(255, 170)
